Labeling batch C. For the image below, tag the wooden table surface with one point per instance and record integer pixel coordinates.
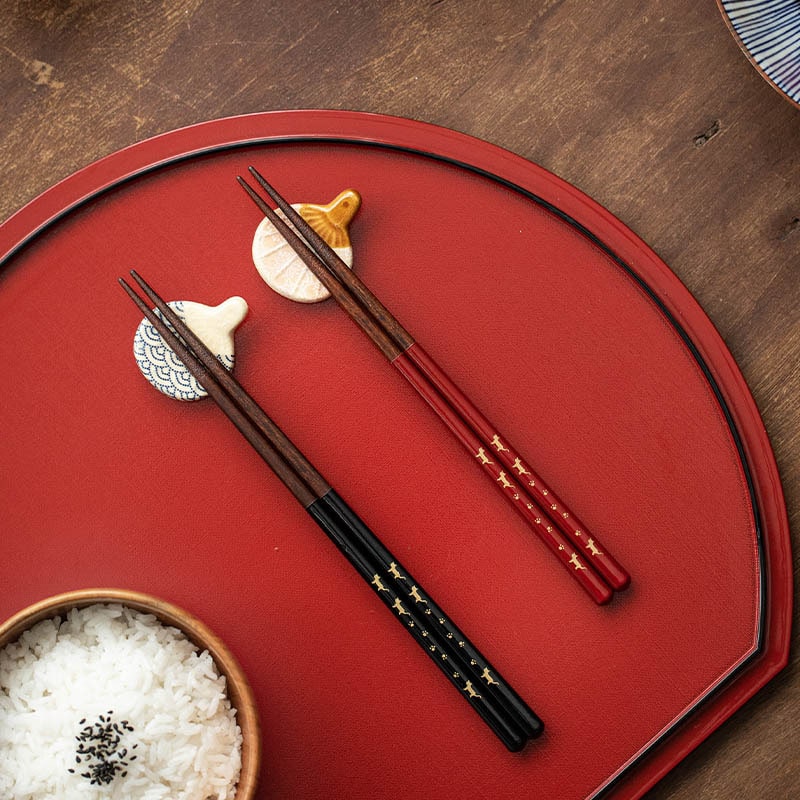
(648, 107)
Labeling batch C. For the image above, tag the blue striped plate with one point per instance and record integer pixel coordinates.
(769, 33)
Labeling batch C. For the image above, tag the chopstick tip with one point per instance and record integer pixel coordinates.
(262, 181)
(254, 196)
(131, 292)
(139, 280)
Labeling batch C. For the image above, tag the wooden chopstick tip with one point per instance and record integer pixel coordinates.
(267, 186)
(254, 196)
(131, 292)
(256, 174)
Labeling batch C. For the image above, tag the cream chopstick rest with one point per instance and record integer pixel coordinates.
(214, 325)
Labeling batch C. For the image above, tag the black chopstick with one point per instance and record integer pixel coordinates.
(581, 553)
(435, 619)
(497, 703)
(329, 516)
(411, 606)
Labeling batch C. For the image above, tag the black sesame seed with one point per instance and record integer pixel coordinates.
(99, 744)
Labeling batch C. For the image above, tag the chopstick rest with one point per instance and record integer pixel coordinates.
(215, 325)
(282, 269)
(477, 681)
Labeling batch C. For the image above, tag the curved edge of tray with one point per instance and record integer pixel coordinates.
(772, 650)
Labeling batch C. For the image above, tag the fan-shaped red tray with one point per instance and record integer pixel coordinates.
(555, 319)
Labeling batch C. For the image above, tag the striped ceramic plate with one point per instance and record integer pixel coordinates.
(769, 33)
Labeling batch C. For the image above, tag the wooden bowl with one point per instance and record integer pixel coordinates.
(238, 689)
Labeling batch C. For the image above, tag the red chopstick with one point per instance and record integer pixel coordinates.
(587, 560)
(614, 575)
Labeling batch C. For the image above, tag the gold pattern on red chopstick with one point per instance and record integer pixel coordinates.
(484, 459)
(464, 420)
(506, 484)
(576, 562)
(498, 444)
(592, 548)
(518, 466)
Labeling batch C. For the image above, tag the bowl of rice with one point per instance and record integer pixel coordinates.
(112, 694)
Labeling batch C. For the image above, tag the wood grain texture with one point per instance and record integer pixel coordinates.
(649, 107)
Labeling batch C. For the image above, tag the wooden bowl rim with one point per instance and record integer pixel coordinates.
(238, 687)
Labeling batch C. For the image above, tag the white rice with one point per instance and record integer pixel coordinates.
(110, 658)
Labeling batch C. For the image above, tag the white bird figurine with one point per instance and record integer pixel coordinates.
(214, 325)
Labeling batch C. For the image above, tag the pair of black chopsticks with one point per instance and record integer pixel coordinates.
(482, 686)
(578, 550)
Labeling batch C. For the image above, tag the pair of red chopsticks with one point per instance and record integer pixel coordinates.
(587, 560)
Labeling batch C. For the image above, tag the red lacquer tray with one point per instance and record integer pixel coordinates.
(560, 323)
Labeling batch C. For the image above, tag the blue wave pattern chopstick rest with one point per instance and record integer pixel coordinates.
(215, 325)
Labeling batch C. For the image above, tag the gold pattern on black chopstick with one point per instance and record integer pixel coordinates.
(502, 709)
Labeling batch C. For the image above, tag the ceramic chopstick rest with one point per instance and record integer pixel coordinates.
(214, 325)
(281, 268)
